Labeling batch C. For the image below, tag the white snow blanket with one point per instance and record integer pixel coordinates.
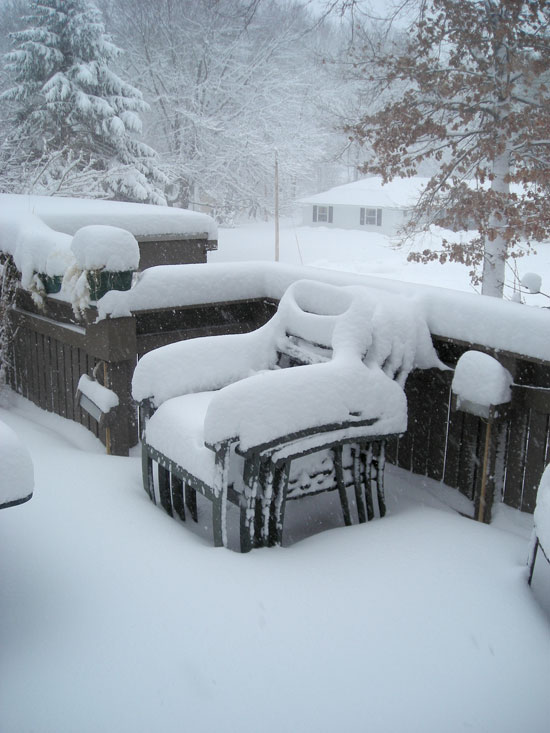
(481, 379)
(142, 220)
(372, 348)
(102, 247)
(542, 512)
(17, 472)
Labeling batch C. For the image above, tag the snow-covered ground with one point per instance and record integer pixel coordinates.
(368, 253)
(115, 617)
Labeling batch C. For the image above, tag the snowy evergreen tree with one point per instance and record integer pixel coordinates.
(74, 122)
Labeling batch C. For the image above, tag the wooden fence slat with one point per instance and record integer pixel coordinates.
(68, 381)
(57, 387)
(440, 408)
(534, 459)
(44, 384)
(37, 353)
(25, 362)
(515, 456)
(75, 371)
(20, 366)
(454, 439)
(421, 418)
(392, 448)
(469, 455)
(405, 448)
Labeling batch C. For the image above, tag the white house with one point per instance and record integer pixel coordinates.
(367, 204)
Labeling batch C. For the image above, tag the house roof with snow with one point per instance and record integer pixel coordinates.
(144, 221)
(401, 193)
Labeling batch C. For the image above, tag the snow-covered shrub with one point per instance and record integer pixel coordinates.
(37, 250)
(101, 247)
(105, 259)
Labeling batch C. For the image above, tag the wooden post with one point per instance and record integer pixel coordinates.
(107, 429)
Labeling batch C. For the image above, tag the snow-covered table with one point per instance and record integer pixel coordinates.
(230, 418)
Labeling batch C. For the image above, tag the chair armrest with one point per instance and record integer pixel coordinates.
(200, 365)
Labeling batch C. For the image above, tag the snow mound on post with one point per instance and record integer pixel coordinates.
(481, 379)
(17, 474)
(99, 246)
(542, 512)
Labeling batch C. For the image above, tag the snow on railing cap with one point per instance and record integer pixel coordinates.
(482, 380)
(99, 246)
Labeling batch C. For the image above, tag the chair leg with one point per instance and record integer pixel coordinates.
(191, 502)
(278, 505)
(251, 476)
(176, 489)
(244, 534)
(217, 521)
(380, 465)
(267, 478)
(366, 459)
(164, 489)
(341, 484)
(147, 473)
(358, 483)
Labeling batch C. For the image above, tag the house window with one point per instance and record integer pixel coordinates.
(322, 214)
(370, 217)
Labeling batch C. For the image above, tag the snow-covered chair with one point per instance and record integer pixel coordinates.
(229, 419)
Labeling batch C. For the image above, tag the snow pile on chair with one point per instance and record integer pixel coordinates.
(373, 342)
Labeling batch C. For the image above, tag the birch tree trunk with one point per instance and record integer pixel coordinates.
(495, 251)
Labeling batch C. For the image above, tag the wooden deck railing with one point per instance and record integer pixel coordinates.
(50, 351)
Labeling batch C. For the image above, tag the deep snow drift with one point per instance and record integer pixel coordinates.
(117, 618)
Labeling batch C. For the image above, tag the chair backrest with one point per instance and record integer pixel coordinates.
(314, 320)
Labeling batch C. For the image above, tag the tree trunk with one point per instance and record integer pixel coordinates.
(494, 256)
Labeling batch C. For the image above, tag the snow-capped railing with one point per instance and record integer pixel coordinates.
(489, 322)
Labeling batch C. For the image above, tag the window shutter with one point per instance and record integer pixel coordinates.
(362, 217)
(314, 213)
(378, 217)
(330, 214)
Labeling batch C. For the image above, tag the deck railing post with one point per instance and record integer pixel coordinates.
(113, 340)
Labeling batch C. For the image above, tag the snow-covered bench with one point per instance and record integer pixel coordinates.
(229, 419)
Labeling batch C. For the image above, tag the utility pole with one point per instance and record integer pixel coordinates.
(276, 208)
